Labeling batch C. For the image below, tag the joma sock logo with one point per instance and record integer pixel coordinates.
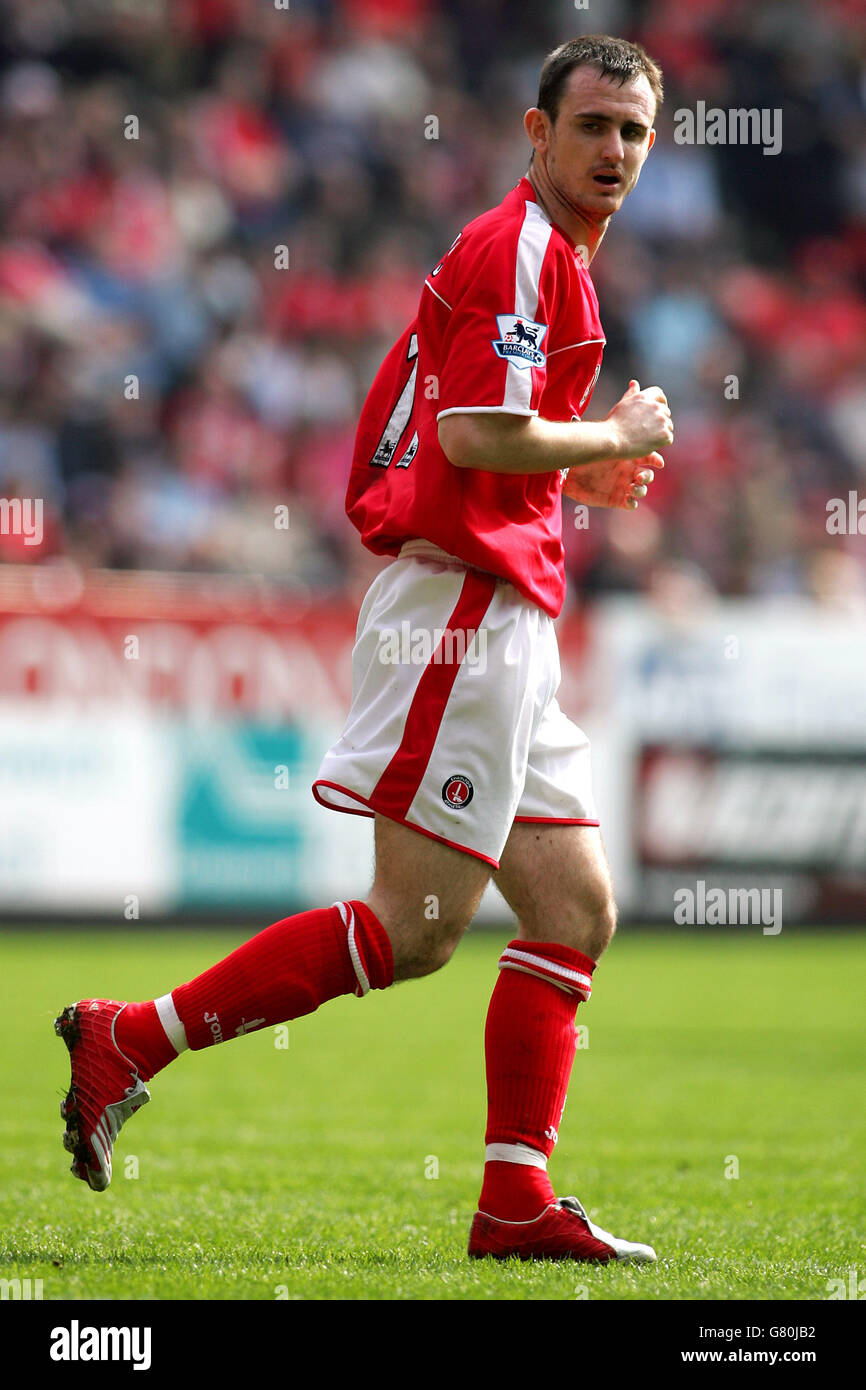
(215, 1026)
(76, 1343)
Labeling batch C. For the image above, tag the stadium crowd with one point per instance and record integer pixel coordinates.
(168, 375)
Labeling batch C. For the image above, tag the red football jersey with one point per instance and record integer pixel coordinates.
(508, 321)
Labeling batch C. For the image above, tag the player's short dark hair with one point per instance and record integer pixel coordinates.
(615, 58)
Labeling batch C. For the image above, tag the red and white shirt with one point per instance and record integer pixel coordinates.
(507, 322)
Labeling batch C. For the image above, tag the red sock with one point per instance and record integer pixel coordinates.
(286, 971)
(529, 1044)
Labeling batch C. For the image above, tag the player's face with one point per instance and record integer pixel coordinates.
(602, 134)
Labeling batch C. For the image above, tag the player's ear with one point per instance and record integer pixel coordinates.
(535, 123)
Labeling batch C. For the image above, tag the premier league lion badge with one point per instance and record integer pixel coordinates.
(519, 340)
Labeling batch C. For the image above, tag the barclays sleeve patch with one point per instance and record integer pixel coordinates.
(520, 340)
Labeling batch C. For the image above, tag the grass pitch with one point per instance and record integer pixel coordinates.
(347, 1165)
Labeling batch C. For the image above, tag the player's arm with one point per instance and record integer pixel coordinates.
(639, 424)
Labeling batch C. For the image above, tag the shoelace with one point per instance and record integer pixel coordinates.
(572, 1204)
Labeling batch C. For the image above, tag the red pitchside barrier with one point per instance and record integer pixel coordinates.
(199, 643)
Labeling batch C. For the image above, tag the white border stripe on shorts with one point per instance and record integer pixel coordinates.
(548, 970)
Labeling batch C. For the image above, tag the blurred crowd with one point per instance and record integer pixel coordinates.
(169, 375)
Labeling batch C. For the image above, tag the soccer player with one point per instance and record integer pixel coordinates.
(455, 744)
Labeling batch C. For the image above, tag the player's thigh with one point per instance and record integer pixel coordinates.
(556, 879)
(425, 894)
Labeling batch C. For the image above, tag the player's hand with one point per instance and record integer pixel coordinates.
(618, 483)
(640, 422)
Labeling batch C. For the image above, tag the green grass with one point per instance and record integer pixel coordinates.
(301, 1172)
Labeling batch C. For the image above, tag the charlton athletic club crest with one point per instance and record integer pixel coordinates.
(458, 791)
(519, 340)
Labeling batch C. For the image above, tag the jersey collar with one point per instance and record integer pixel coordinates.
(527, 191)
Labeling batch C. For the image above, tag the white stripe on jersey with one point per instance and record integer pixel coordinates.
(438, 296)
(585, 342)
(532, 246)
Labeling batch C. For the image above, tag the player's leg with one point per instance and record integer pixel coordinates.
(555, 879)
(285, 971)
(554, 875)
(424, 897)
(425, 894)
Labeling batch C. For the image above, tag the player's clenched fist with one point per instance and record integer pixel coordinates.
(612, 482)
(640, 422)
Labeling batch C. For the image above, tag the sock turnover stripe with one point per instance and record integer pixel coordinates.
(170, 1020)
(347, 913)
(580, 982)
(515, 1153)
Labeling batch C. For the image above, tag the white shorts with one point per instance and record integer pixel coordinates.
(454, 728)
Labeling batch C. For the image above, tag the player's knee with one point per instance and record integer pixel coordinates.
(600, 918)
(587, 920)
(425, 932)
(428, 957)
(423, 952)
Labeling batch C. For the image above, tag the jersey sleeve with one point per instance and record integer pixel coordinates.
(498, 334)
